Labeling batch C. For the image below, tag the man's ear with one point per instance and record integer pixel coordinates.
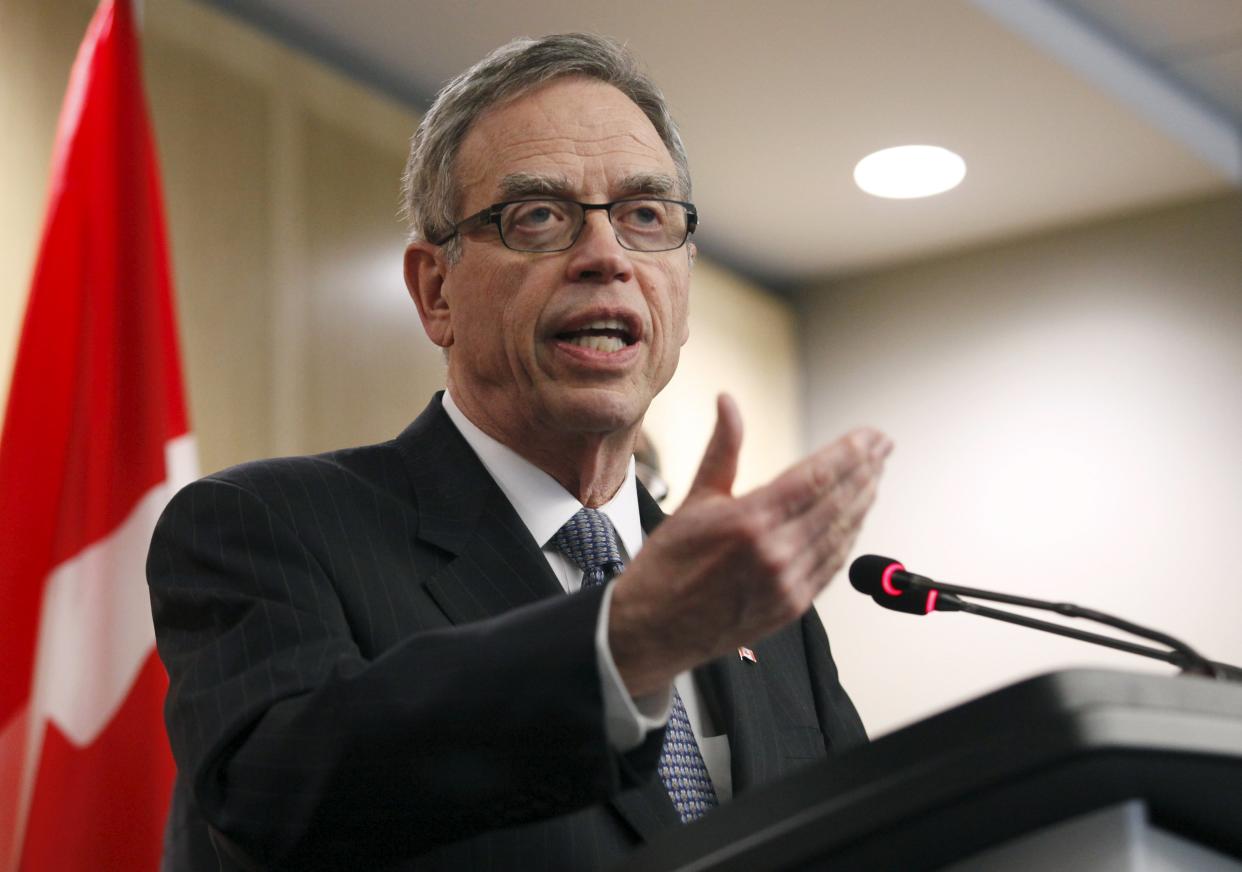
(425, 271)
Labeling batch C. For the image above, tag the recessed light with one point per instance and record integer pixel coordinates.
(908, 171)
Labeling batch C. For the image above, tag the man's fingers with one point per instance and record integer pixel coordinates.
(824, 538)
(820, 537)
(805, 484)
(841, 505)
(718, 469)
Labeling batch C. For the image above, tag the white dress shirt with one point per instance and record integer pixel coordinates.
(544, 506)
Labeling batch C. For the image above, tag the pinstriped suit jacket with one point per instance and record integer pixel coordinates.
(372, 666)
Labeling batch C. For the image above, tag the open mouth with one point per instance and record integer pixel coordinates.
(603, 334)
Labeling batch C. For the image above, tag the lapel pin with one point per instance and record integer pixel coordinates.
(744, 653)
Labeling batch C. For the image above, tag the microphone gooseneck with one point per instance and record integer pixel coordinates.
(892, 586)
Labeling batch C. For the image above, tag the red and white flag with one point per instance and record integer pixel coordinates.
(95, 441)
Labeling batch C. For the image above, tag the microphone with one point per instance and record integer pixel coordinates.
(888, 583)
(892, 586)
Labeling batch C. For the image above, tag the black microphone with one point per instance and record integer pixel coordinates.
(888, 583)
(892, 586)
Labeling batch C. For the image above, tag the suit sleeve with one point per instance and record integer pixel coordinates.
(303, 753)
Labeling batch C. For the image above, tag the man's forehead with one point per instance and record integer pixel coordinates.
(513, 186)
(542, 141)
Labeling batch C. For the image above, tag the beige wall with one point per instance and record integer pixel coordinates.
(280, 179)
(1067, 413)
(744, 341)
(37, 45)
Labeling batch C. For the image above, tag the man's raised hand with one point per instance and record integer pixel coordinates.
(725, 571)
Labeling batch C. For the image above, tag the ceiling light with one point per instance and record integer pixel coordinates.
(909, 171)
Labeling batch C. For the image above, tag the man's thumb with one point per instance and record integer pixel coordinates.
(718, 468)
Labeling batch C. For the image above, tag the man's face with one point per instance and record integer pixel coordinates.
(519, 325)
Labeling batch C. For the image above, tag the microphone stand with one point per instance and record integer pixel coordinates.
(1182, 655)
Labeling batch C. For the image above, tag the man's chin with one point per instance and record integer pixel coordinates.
(596, 410)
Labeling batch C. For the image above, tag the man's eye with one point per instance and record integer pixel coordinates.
(535, 215)
(643, 216)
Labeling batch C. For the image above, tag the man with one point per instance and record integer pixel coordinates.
(373, 658)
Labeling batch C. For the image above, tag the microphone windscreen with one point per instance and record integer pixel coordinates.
(867, 572)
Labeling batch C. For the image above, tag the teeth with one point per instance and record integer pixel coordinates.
(603, 334)
(599, 343)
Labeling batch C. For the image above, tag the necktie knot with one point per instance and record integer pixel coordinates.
(590, 541)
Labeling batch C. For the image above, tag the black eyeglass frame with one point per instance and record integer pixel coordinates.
(491, 215)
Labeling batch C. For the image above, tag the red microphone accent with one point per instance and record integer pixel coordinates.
(886, 579)
(932, 596)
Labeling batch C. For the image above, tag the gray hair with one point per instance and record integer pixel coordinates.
(431, 197)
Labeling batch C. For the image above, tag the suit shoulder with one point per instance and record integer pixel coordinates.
(374, 468)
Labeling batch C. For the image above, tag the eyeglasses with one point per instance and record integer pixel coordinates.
(647, 224)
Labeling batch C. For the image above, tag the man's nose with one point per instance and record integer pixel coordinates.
(597, 255)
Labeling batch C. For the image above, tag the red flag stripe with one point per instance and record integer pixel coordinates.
(95, 403)
(70, 829)
(96, 387)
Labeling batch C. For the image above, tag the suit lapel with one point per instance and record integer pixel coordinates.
(496, 565)
(733, 690)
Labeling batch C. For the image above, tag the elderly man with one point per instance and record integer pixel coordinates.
(373, 658)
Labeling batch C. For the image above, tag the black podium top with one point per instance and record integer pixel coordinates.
(1013, 761)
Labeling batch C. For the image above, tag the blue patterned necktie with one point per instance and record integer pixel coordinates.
(589, 540)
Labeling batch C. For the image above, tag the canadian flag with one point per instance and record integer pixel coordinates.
(95, 441)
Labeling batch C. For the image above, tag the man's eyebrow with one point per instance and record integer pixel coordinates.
(654, 184)
(518, 185)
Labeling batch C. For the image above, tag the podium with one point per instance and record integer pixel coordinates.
(1076, 770)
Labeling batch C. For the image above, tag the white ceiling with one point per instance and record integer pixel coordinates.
(1196, 41)
(1065, 110)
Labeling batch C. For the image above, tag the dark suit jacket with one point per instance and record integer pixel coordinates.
(372, 666)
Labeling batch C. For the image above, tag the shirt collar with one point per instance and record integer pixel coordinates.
(539, 500)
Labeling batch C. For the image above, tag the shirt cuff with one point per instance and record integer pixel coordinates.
(627, 719)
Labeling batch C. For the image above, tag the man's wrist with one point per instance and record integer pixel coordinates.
(627, 719)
